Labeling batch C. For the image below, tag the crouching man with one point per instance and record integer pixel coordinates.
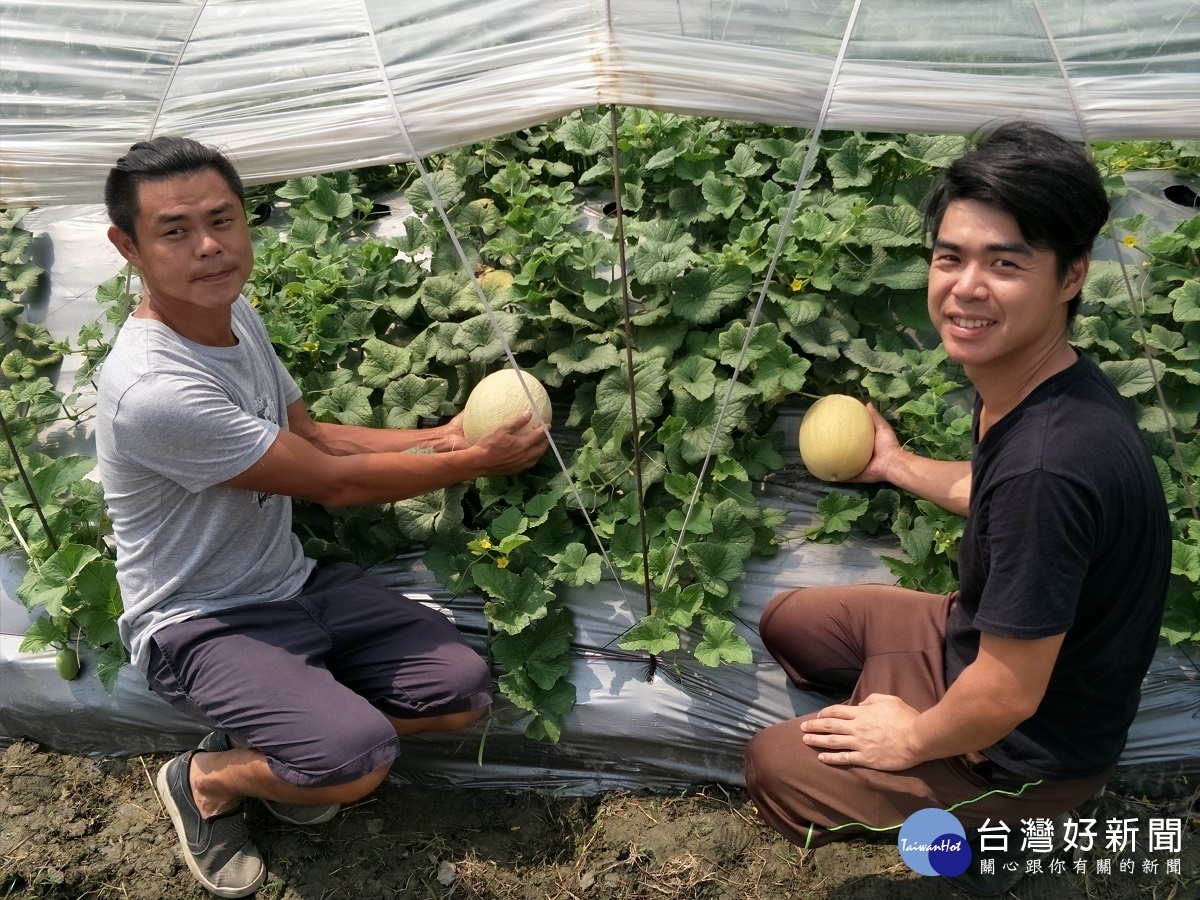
(306, 677)
(1012, 697)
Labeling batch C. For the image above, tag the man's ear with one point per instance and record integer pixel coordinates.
(125, 245)
(1076, 275)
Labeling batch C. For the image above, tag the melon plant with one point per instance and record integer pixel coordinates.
(390, 332)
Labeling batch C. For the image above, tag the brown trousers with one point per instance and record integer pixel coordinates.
(865, 639)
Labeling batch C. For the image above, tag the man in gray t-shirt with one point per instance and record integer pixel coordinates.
(306, 678)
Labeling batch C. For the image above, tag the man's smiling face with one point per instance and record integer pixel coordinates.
(993, 298)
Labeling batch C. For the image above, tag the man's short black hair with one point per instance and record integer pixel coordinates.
(159, 159)
(1048, 184)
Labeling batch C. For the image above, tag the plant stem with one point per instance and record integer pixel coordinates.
(37, 507)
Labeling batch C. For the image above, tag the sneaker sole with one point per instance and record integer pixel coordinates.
(329, 813)
(164, 794)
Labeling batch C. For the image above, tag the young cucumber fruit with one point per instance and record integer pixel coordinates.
(67, 663)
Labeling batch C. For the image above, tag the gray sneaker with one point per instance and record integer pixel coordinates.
(218, 851)
(292, 813)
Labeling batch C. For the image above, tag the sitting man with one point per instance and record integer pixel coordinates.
(306, 677)
(1012, 697)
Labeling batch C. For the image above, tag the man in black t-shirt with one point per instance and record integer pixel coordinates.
(1011, 698)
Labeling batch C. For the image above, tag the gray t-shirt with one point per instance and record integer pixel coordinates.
(175, 419)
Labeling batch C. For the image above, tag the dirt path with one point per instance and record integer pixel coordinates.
(94, 830)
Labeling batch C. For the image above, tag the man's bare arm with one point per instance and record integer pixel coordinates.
(990, 698)
(341, 466)
(948, 484)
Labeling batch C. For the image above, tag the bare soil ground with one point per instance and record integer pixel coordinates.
(83, 829)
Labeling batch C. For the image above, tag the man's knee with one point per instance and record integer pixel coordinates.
(353, 791)
(338, 752)
(777, 625)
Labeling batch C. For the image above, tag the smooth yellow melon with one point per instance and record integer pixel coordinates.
(836, 438)
(498, 399)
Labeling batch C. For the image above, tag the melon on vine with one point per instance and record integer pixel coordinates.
(837, 438)
(498, 399)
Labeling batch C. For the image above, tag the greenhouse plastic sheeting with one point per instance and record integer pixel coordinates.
(291, 87)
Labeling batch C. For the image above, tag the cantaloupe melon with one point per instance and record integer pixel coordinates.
(836, 438)
(498, 399)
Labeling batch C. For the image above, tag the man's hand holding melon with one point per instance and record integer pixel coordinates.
(842, 439)
(498, 420)
(838, 438)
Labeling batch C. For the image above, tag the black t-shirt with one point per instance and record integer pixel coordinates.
(1068, 531)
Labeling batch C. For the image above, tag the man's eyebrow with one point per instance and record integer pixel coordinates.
(168, 218)
(1019, 247)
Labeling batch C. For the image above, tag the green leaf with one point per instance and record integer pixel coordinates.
(780, 374)
(55, 478)
(1185, 560)
(1130, 376)
(744, 163)
(326, 204)
(442, 183)
(548, 707)
(850, 165)
(410, 398)
(349, 404)
(724, 196)
(1105, 285)
(383, 363)
(17, 366)
(576, 567)
(694, 374)
(41, 634)
(721, 644)
(702, 295)
(541, 650)
(679, 605)
(443, 298)
(585, 138)
(716, 565)
(612, 397)
(881, 361)
(108, 666)
(890, 226)
(1187, 302)
(729, 343)
(585, 358)
(54, 580)
(478, 337)
(823, 338)
(436, 513)
(937, 151)
(839, 511)
(21, 277)
(652, 634)
(307, 233)
(518, 600)
(731, 528)
(662, 252)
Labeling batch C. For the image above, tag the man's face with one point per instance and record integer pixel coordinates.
(993, 298)
(193, 245)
